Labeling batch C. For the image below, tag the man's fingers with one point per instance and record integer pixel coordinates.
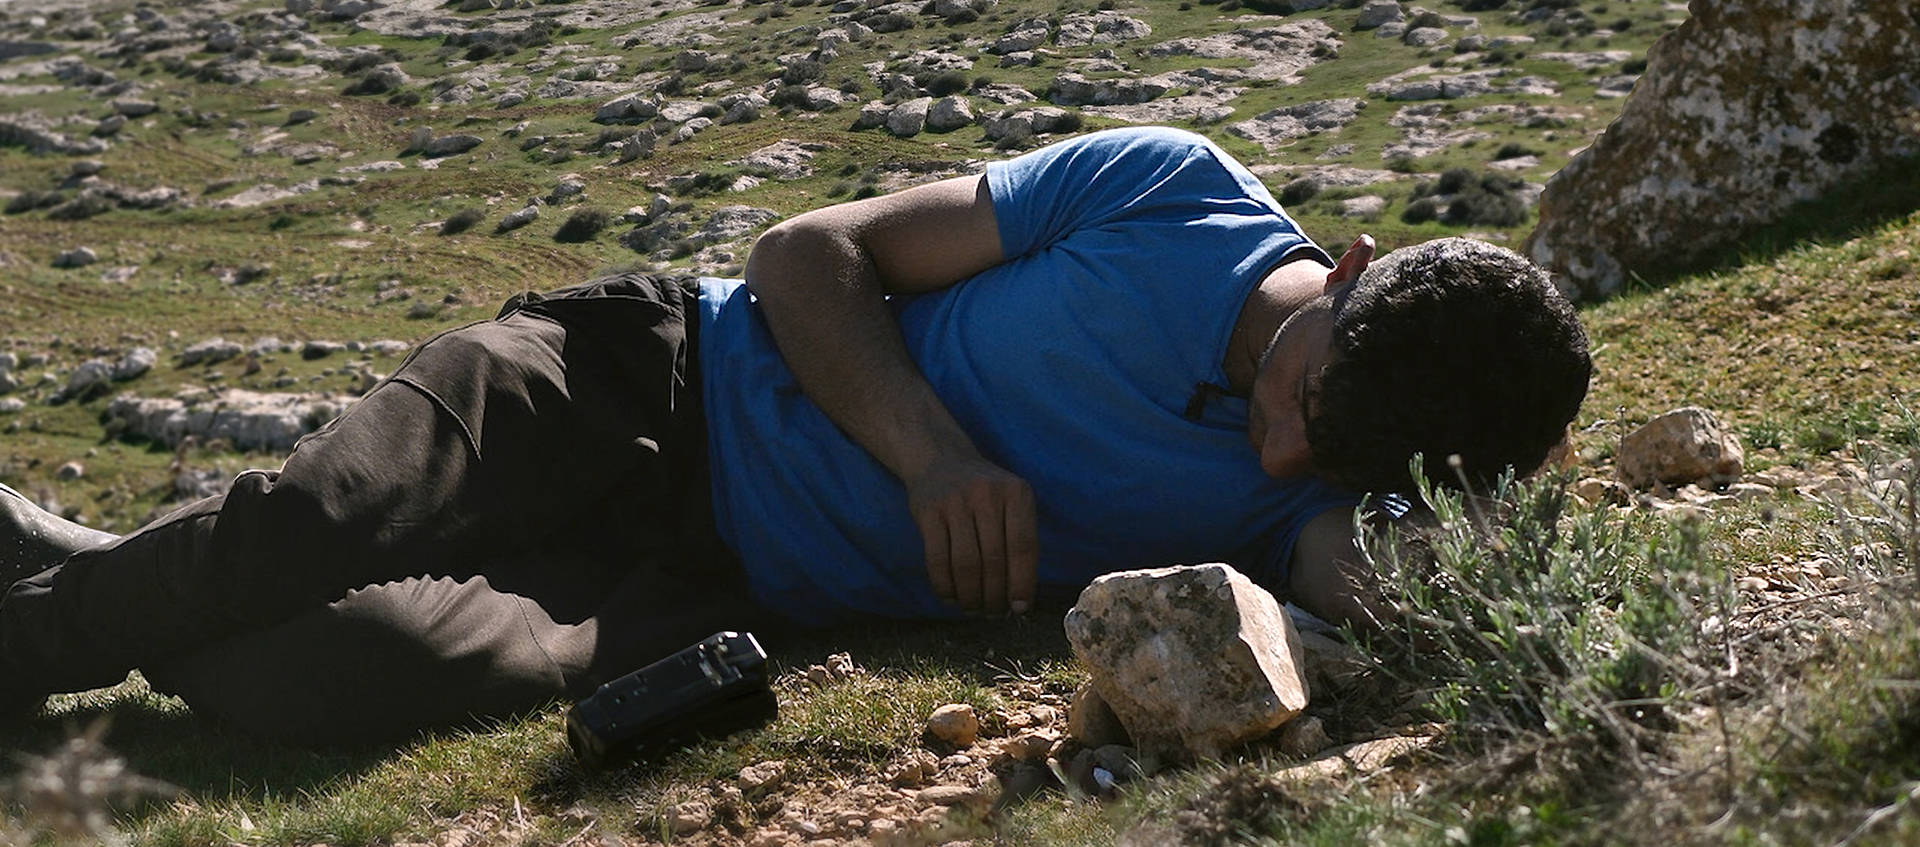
(1023, 551)
(991, 530)
(963, 547)
(933, 535)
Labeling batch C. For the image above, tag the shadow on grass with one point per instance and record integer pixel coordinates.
(1878, 197)
(160, 740)
(980, 649)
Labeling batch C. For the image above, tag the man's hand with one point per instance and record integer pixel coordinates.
(1356, 259)
(981, 534)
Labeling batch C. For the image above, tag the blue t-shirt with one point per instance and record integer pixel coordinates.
(1072, 365)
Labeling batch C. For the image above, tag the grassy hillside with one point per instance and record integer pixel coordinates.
(1705, 668)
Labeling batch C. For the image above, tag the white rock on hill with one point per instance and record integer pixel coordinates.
(1686, 445)
(246, 419)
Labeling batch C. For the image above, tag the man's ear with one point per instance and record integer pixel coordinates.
(1352, 263)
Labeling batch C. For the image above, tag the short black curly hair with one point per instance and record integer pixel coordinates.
(1454, 347)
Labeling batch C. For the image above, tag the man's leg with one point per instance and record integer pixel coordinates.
(486, 439)
(390, 659)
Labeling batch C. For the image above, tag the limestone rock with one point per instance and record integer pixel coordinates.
(1071, 89)
(1105, 27)
(1377, 12)
(637, 106)
(949, 113)
(517, 219)
(1275, 129)
(209, 351)
(758, 779)
(689, 817)
(1304, 737)
(782, 159)
(450, 145)
(1804, 96)
(320, 349)
(1026, 122)
(1025, 36)
(1193, 659)
(955, 724)
(1686, 445)
(137, 361)
(908, 119)
(246, 419)
(90, 373)
(78, 257)
(1092, 722)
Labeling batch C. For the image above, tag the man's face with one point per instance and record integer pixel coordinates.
(1283, 387)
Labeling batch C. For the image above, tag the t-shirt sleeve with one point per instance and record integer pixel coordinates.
(1139, 173)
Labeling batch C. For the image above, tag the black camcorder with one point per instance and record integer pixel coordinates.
(714, 688)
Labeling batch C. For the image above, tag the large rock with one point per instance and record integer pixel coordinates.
(1377, 12)
(1072, 89)
(246, 419)
(1279, 127)
(949, 113)
(1747, 108)
(1192, 659)
(450, 145)
(1103, 27)
(1686, 445)
(634, 106)
(908, 119)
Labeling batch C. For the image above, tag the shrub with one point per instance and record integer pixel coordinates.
(27, 201)
(1533, 619)
(1485, 208)
(583, 225)
(1454, 181)
(1421, 210)
(378, 81)
(463, 220)
(83, 206)
(1513, 150)
(944, 83)
(789, 97)
(803, 72)
(1299, 191)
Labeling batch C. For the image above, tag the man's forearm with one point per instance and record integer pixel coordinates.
(822, 279)
(824, 303)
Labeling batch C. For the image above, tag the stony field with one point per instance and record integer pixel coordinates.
(223, 220)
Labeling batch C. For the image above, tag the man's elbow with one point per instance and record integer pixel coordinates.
(795, 252)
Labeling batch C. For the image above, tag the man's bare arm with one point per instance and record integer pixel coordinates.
(820, 278)
(1330, 578)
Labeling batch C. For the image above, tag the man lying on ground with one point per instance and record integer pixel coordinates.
(969, 396)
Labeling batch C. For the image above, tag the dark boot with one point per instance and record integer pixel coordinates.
(33, 539)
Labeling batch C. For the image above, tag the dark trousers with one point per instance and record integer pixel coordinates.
(520, 512)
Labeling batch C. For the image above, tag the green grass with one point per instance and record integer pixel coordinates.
(1803, 341)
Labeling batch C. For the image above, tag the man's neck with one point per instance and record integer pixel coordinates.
(1281, 293)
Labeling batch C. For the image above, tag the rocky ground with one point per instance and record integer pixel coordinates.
(224, 219)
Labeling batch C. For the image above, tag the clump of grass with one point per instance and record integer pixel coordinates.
(583, 225)
(463, 220)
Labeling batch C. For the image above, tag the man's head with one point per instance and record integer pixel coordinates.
(1450, 348)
